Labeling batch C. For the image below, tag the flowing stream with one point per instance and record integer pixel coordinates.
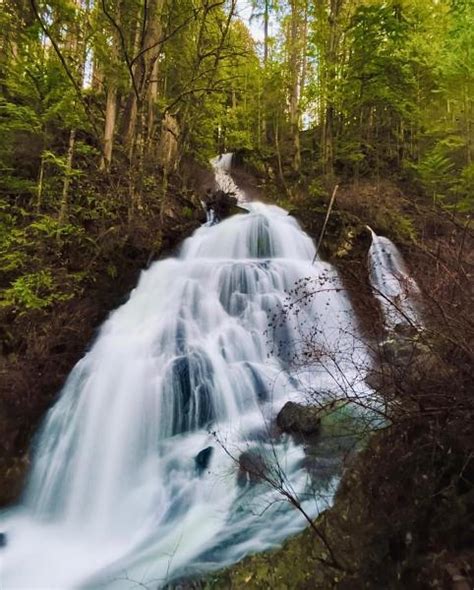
(135, 475)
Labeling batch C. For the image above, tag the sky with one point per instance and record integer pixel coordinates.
(244, 11)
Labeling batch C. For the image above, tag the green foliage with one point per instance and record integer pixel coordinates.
(212, 73)
(28, 250)
(434, 171)
(465, 189)
(50, 227)
(384, 89)
(33, 291)
(187, 212)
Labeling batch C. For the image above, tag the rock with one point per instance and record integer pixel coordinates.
(402, 350)
(322, 468)
(252, 467)
(223, 204)
(202, 459)
(379, 379)
(405, 330)
(3, 540)
(412, 363)
(296, 418)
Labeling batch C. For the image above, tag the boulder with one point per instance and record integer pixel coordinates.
(202, 459)
(252, 467)
(223, 204)
(299, 419)
(402, 349)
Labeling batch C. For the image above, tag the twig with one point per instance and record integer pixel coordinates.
(321, 236)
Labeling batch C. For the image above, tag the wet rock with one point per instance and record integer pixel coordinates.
(406, 359)
(202, 459)
(186, 584)
(322, 469)
(223, 204)
(405, 330)
(299, 419)
(379, 379)
(401, 350)
(252, 467)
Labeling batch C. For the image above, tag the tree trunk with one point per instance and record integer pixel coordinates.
(64, 211)
(39, 190)
(266, 17)
(278, 152)
(97, 78)
(294, 64)
(145, 74)
(110, 117)
(152, 97)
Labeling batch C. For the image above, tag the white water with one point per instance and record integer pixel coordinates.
(222, 165)
(114, 495)
(392, 284)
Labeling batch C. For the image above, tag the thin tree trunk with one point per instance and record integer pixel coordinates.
(97, 79)
(294, 85)
(130, 110)
(328, 150)
(266, 16)
(152, 97)
(64, 211)
(278, 152)
(304, 64)
(145, 74)
(467, 115)
(110, 118)
(39, 190)
(111, 90)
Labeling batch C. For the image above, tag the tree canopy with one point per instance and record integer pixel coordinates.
(102, 101)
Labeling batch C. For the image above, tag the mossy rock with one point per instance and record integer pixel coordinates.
(299, 419)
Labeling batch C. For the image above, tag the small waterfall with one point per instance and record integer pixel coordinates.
(134, 474)
(224, 161)
(392, 284)
(222, 165)
(210, 215)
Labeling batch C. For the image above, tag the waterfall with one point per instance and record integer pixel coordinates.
(222, 165)
(392, 284)
(135, 471)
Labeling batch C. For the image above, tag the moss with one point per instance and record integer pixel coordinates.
(187, 212)
(290, 567)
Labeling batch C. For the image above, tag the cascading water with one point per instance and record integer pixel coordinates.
(185, 369)
(392, 284)
(222, 165)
